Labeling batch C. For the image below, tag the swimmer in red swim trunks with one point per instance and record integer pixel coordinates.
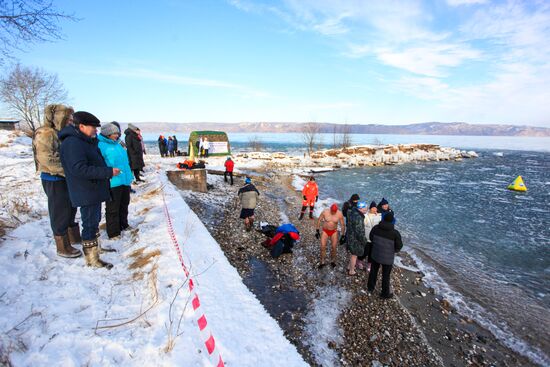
(328, 221)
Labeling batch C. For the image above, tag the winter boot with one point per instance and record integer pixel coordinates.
(74, 235)
(64, 248)
(310, 215)
(91, 253)
(302, 212)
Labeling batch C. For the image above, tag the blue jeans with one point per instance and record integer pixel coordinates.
(90, 215)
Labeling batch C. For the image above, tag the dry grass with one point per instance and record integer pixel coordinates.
(143, 260)
(144, 211)
(149, 194)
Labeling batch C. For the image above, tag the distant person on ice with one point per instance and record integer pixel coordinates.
(87, 179)
(310, 194)
(248, 195)
(356, 242)
(386, 241)
(229, 165)
(116, 209)
(328, 221)
(46, 146)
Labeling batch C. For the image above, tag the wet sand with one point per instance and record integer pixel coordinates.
(416, 328)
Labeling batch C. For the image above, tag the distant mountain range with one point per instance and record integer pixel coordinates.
(425, 128)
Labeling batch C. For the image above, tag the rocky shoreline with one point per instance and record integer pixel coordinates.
(416, 328)
(359, 156)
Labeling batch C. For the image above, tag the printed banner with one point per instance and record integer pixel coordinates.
(218, 147)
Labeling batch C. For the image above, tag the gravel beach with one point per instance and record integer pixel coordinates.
(415, 328)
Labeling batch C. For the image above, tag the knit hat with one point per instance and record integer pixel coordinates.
(372, 204)
(247, 180)
(354, 197)
(109, 129)
(132, 127)
(388, 217)
(228, 159)
(383, 202)
(85, 118)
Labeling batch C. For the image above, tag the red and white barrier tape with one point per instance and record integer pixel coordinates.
(206, 335)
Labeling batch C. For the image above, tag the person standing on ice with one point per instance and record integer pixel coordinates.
(386, 241)
(328, 221)
(229, 165)
(371, 219)
(310, 194)
(248, 195)
(87, 179)
(116, 209)
(46, 146)
(355, 235)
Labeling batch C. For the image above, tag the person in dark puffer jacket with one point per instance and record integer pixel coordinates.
(135, 151)
(87, 178)
(386, 242)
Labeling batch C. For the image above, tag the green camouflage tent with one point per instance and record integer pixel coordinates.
(219, 143)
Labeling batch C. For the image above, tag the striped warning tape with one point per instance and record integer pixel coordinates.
(205, 333)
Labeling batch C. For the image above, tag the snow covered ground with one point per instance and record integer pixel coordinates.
(56, 311)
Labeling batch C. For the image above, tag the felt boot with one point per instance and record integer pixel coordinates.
(74, 235)
(91, 253)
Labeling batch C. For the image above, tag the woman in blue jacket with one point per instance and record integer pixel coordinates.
(116, 210)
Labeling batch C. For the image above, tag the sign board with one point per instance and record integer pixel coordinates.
(218, 147)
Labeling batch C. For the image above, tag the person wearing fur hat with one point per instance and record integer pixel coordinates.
(116, 210)
(386, 241)
(135, 151)
(46, 146)
(229, 165)
(87, 178)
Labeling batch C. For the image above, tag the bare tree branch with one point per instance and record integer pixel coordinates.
(27, 91)
(311, 136)
(28, 21)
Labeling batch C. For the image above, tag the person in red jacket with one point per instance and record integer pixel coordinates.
(310, 194)
(229, 164)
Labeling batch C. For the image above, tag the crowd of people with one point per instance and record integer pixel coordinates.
(367, 231)
(81, 169)
(168, 147)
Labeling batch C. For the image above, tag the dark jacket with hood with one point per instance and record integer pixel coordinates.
(386, 241)
(135, 149)
(86, 173)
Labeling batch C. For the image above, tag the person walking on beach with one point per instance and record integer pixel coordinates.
(171, 146)
(46, 147)
(135, 151)
(87, 178)
(371, 219)
(206, 146)
(116, 209)
(355, 238)
(386, 241)
(310, 194)
(229, 165)
(328, 221)
(248, 196)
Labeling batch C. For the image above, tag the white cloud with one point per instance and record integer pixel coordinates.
(465, 2)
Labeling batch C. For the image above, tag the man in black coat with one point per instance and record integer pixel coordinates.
(87, 178)
(386, 241)
(135, 150)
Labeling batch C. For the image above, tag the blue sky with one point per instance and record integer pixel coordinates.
(340, 61)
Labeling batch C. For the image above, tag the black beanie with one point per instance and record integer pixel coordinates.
(372, 204)
(85, 118)
(383, 202)
(354, 197)
(388, 217)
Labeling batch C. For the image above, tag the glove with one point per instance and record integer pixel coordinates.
(317, 234)
(342, 239)
(305, 197)
(316, 198)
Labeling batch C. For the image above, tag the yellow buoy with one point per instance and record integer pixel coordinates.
(517, 185)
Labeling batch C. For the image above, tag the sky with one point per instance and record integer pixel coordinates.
(342, 61)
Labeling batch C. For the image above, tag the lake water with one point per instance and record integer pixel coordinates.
(485, 248)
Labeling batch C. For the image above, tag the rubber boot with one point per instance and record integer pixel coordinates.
(302, 213)
(91, 253)
(74, 235)
(64, 248)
